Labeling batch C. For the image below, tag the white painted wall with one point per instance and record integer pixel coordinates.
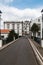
(5, 35)
(20, 27)
(5, 26)
(0, 43)
(10, 26)
(41, 43)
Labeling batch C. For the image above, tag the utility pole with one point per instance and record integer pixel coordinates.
(0, 23)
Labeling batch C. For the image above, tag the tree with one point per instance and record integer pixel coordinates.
(11, 36)
(34, 29)
(16, 36)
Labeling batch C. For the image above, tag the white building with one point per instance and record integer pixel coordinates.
(17, 26)
(20, 27)
(38, 21)
(4, 33)
(26, 27)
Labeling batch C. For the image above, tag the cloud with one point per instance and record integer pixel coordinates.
(12, 13)
(6, 1)
(15, 14)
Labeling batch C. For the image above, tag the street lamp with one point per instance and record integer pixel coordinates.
(30, 29)
(0, 23)
(42, 29)
(42, 23)
(22, 28)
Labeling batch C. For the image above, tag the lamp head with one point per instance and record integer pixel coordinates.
(42, 11)
(0, 12)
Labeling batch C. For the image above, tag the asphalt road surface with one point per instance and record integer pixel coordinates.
(18, 53)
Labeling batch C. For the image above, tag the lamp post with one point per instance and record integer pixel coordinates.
(42, 29)
(18, 29)
(42, 22)
(0, 23)
(22, 28)
(30, 29)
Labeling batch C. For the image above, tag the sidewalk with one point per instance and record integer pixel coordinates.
(40, 49)
(36, 49)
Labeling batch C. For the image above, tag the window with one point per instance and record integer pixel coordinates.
(38, 33)
(7, 26)
(38, 20)
(39, 26)
(13, 26)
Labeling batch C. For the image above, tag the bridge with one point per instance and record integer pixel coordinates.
(18, 53)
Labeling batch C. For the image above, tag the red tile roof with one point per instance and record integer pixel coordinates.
(4, 31)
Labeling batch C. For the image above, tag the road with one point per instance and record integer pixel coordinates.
(18, 53)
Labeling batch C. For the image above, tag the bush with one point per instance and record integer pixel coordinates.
(16, 36)
(38, 40)
(11, 36)
(3, 42)
(20, 36)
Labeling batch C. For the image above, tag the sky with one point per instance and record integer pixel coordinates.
(20, 10)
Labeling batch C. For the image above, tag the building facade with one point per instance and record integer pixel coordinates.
(38, 21)
(26, 27)
(4, 33)
(21, 28)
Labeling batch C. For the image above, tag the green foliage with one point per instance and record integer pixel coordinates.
(11, 36)
(34, 28)
(16, 35)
